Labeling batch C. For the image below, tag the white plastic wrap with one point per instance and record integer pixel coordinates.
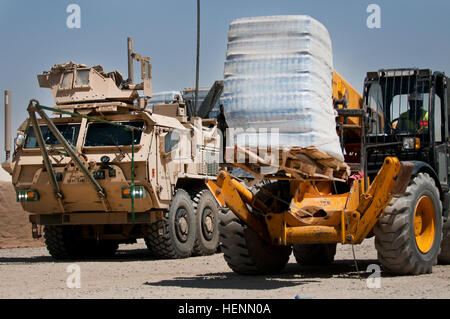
(278, 75)
(164, 97)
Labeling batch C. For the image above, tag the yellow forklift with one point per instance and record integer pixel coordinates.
(393, 184)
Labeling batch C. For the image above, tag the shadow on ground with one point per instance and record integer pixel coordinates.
(26, 260)
(122, 255)
(230, 280)
(292, 275)
(344, 268)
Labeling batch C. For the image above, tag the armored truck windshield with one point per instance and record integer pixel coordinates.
(69, 131)
(103, 134)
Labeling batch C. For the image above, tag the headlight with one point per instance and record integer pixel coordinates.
(411, 143)
(139, 192)
(27, 195)
(20, 140)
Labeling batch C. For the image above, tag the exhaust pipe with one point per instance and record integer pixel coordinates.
(130, 61)
(7, 124)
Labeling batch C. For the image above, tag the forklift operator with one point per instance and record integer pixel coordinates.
(416, 118)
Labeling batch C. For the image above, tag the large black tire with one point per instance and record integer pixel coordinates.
(207, 216)
(62, 244)
(444, 256)
(395, 239)
(246, 252)
(173, 237)
(314, 254)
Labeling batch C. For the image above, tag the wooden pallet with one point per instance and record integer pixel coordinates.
(295, 163)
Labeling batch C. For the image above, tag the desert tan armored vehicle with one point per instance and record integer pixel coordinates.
(104, 169)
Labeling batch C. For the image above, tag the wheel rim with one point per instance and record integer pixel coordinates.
(207, 223)
(182, 225)
(424, 224)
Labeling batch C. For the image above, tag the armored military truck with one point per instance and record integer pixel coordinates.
(103, 169)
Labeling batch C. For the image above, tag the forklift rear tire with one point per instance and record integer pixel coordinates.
(173, 237)
(207, 216)
(246, 252)
(314, 254)
(408, 235)
(444, 256)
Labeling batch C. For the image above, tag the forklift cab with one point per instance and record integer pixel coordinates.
(407, 117)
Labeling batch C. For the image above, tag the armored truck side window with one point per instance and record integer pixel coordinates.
(67, 80)
(102, 134)
(171, 140)
(82, 78)
(69, 131)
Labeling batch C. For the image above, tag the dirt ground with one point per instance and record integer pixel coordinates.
(15, 229)
(132, 273)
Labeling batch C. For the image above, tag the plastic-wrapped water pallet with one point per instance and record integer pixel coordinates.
(278, 75)
(163, 97)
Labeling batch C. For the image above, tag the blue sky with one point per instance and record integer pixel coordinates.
(34, 36)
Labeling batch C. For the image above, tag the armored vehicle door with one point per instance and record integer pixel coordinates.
(165, 170)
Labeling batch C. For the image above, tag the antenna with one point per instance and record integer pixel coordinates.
(198, 58)
(7, 124)
(130, 61)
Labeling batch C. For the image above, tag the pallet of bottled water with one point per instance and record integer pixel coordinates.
(278, 84)
(164, 97)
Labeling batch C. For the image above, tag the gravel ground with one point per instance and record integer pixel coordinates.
(132, 273)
